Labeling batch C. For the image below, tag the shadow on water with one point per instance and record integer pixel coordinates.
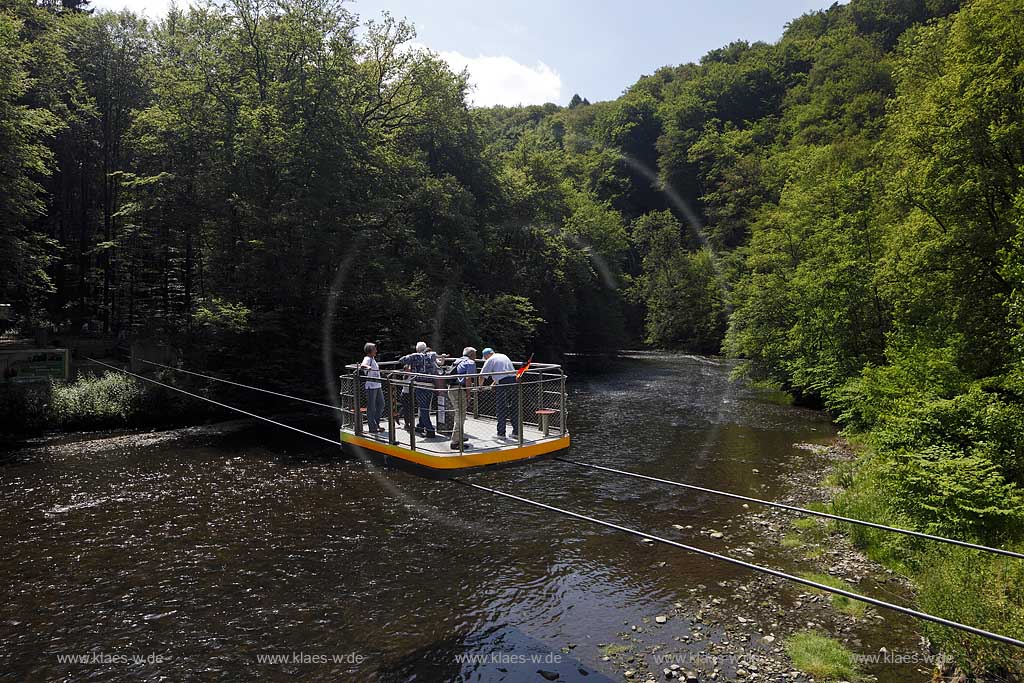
(216, 548)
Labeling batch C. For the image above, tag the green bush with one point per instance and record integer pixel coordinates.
(978, 589)
(960, 497)
(952, 493)
(109, 400)
(93, 402)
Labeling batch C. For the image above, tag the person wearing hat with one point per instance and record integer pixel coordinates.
(500, 370)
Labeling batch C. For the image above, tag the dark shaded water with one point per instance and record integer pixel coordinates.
(203, 554)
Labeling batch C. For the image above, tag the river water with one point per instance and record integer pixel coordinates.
(200, 554)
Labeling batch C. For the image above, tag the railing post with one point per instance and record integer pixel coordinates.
(476, 398)
(413, 413)
(565, 418)
(461, 392)
(391, 412)
(357, 417)
(519, 406)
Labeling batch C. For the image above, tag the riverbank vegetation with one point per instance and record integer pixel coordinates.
(843, 210)
(822, 657)
(91, 402)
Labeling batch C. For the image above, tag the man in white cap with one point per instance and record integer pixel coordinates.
(499, 369)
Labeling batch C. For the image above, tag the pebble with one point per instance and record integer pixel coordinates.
(717, 534)
(660, 619)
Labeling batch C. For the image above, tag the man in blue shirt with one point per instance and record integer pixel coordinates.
(463, 371)
(498, 368)
(422, 364)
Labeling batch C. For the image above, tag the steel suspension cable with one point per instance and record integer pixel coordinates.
(244, 386)
(794, 508)
(216, 403)
(758, 568)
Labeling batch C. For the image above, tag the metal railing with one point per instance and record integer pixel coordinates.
(537, 399)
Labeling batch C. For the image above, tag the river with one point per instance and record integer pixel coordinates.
(245, 552)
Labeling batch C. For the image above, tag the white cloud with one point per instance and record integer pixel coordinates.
(503, 80)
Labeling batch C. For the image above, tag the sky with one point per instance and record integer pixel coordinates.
(537, 51)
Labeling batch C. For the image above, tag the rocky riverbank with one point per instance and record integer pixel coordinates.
(740, 635)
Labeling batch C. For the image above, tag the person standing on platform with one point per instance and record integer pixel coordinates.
(499, 369)
(462, 372)
(374, 393)
(421, 364)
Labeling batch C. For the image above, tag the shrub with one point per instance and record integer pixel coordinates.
(953, 493)
(108, 400)
(981, 590)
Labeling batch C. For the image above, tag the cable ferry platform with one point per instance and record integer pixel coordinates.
(537, 401)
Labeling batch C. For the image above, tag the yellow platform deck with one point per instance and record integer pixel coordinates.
(435, 455)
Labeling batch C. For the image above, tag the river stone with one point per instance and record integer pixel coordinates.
(660, 619)
(717, 534)
(629, 674)
(549, 675)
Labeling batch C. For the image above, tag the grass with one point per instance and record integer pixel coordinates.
(805, 523)
(840, 602)
(613, 649)
(814, 553)
(792, 541)
(821, 657)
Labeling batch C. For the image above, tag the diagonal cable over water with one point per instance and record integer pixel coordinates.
(238, 384)
(333, 442)
(794, 508)
(1007, 640)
